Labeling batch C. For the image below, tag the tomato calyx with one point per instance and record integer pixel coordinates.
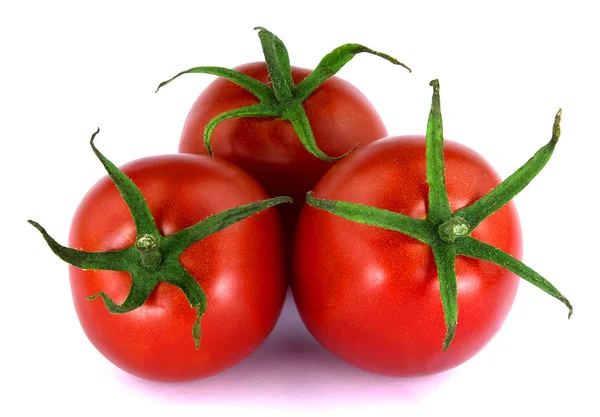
(283, 99)
(153, 258)
(448, 233)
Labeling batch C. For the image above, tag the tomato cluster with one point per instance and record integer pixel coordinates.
(190, 254)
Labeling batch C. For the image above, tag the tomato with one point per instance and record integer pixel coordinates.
(239, 268)
(268, 148)
(284, 125)
(370, 295)
(402, 233)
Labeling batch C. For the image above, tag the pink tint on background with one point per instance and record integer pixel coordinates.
(290, 368)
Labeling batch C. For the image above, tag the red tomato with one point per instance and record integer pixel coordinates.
(268, 148)
(370, 295)
(240, 268)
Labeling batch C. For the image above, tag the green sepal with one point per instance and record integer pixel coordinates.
(194, 293)
(196, 330)
(448, 233)
(142, 285)
(297, 117)
(144, 222)
(254, 110)
(114, 261)
(474, 248)
(181, 240)
(153, 258)
(278, 64)
(262, 91)
(284, 99)
(514, 184)
(372, 216)
(335, 61)
(439, 206)
(445, 256)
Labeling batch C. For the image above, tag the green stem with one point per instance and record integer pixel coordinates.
(150, 256)
(153, 258)
(283, 99)
(447, 233)
(453, 228)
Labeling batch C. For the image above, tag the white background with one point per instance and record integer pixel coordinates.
(68, 67)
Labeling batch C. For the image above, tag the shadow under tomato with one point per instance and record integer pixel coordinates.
(291, 367)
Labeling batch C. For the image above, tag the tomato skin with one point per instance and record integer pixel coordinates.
(371, 296)
(240, 269)
(268, 148)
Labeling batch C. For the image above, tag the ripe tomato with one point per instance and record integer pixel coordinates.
(268, 148)
(240, 269)
(370, 295)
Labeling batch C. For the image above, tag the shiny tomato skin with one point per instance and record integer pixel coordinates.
(371, 296)
(240, 269)
(268, 148)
